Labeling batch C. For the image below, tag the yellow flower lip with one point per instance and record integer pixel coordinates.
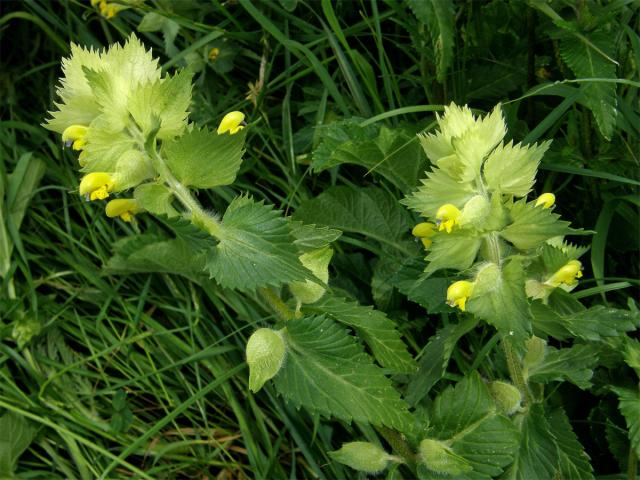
(458, 293)
(547, 200)
(424, 231)
(213, 54)
(567, 274)
(75, 135)
(96, 186)
(447, 216)
(232, 122)
(125, 208)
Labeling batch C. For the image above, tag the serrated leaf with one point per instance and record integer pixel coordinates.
(533, 225)
(499, 298)
(584, 55)
(573, 364)
(435, 358)
(465, 417)
(629, 404)
(373, 326)
(334, 134)
(512, 169)
(429, 292)
(155, 198)
(366, 211)
(255, 248)
(312, 237)
(457, 250)
(327, 372)
(15, 437)
(204, 159)
(574, 463)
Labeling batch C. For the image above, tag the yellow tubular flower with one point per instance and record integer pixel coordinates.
(424, 231)
(458, 293)
(97, 185)
(232, 122)
(447, 216)
(546, 200)
(568, 274)
(125, 208)
(213, 54)
(75, 136)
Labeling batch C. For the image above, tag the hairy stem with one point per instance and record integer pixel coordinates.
(276, 304)
(399, 446)
(515, 369)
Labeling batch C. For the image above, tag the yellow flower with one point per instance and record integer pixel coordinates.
(567, 275)
(107, 10)
(125, 208)
(458, 293)
(96, 185)
(424, 231)
(232, 122)
(447, 216)
(213, 54)
(75, 136)
(546, 200)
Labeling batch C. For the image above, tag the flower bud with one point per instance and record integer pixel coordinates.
(566, 275)
(424, 231)
(265, 354)
(447, 216)
(362, 456)
(96, 185)
(213, 54)
(318, 262)
(546, 200)
(75, 136)
(507, 397)
(124, 208)
(458, 293)
(232, 122)
(440, 458)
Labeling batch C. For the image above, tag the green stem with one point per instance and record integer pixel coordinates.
(515, 369)
(276, 304)
(399, 446)
(632, 467)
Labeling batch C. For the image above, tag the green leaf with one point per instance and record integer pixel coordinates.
(327, 372)
(438, 189)
(512, 169)
(574, 462)
(204, 159)
(312, 237)
(439, 17)
(584, 55)
(255, 248)
(429, 292)
(629, 404)
(15, 437)
(155, 198)
(465, 418)
(457, 250)
(574, 364)
(373, 326)
(366, 211)
(499, 298)
(435, 358)
(533, 225)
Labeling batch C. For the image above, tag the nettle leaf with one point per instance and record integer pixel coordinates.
(366, 211)
(204, 159)
(574, 463)
(439, 17)
(155, 198)
(573, 364)
(465, 418)
(499, 299)
(429, 292)
(312, 237)
(327, 372)
(533, 225)
(512, 169)
(593, 324)
(438, 189)
(255, 248)
(629, 404)
(435, 358)
(373, 326)
(335, 134)
(584, 55)
(457, 250)
(16, 434)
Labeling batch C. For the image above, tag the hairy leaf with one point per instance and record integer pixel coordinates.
(512, 169)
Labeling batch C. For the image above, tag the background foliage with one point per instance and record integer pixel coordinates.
(106, 375)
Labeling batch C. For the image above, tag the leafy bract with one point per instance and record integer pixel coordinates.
(327, 372)
(155, 198)
(453, 250)
(204, 159)
(512, 169)
(255, 248)
(373, 326)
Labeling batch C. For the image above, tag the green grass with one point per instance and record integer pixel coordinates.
(176, 348)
